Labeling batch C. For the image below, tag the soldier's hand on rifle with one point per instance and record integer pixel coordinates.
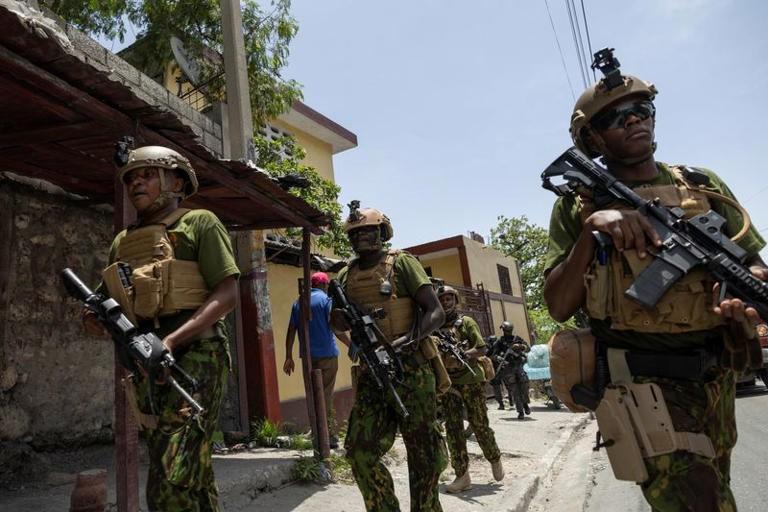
(629, 229)
(91, 323)
(735, 309)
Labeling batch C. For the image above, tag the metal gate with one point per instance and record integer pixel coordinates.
(476, 303)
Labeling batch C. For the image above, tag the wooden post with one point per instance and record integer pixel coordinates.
(305, 290)
(126, 432)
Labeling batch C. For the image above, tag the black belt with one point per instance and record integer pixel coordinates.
(688, 366)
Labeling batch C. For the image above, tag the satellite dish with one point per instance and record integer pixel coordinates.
(185, 61)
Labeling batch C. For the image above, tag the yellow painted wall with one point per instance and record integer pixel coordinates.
(482, 261)
(319, 153)
(447, 268)
(498, 315)
(283, 291)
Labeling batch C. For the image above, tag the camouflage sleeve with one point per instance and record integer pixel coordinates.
(752, 242)
(471, 331)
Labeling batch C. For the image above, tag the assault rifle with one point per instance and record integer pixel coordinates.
(381, 358)
(513, 351)
(446, 343)
(686, 244)
(134, 350)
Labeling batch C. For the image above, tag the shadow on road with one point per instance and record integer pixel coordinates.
(476, 491)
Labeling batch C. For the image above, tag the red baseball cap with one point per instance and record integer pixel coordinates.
(319, 278)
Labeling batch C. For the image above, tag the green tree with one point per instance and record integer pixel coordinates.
(267, 33)
(523, 240)
(282, 157)
(527, 243)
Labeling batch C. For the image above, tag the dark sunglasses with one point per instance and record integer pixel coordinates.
(617, 117)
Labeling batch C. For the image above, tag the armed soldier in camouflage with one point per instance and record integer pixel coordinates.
(184, 281)
(392, 287)
(467, 391)
(509, 352)
(685, 346)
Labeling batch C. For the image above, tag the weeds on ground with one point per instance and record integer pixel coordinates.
(265, 432)
(299, 442)
(307, 470)
(341, 470)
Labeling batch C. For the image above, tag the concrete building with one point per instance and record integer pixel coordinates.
(468, 263)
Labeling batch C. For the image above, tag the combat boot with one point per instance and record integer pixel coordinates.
(498, 470)
(501, 406)
(460, 483)
(521, 415)
(527, 409)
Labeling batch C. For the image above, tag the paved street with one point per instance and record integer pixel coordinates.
(583, 480)
(525, 445)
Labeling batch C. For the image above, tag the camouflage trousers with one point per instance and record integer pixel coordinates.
(180, 476)
(471, 396)
(373, 424)
(516, 381)
(685, 482)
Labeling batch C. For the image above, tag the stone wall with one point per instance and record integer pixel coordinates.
(55, 382)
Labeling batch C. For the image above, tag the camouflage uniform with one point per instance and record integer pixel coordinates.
(180, 475)
(683, 481)
(375, 419)
(513, 375)
(679, 481)
(467, 391)
(373, 424)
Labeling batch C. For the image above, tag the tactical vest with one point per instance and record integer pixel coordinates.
(368, 290)
(686, 307)
(159, 284)
(451, 363)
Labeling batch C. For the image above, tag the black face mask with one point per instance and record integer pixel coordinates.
(617, 117)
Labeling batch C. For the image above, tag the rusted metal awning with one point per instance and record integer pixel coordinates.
(65, 101)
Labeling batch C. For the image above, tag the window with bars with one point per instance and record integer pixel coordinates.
(504, 280)
(273, 133)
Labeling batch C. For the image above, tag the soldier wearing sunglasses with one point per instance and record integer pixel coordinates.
(686, 342)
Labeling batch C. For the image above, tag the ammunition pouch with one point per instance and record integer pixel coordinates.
(487, 365)
(428, 349)
(635, 423)
(685, 307)
(162, 288)
(572, 365)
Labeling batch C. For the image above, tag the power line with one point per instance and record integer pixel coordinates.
(576, 44)
(589, 41)
(560, 49)
(582, 51)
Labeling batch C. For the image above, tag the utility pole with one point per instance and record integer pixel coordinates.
(257, 349)
(236, 71)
